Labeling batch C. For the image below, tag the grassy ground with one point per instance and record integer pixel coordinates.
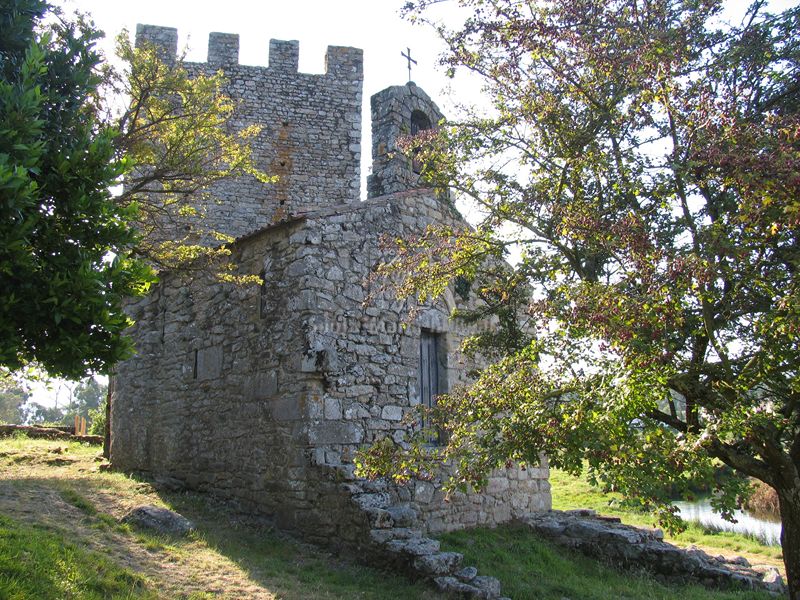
(530, 568)
(533, 570)
(61, 538)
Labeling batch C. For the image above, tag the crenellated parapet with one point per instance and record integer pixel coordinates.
(284, 55)
(310, 128)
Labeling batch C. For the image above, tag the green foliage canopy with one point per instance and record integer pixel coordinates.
(64, 262)
(12, 397)
(647, 157)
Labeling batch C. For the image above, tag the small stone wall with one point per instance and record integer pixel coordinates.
(49, 433)
(606, 539)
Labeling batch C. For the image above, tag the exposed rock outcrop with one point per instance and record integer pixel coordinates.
(159, 520)
(607, 539)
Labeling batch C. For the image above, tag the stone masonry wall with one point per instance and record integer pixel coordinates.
(368, 355)
(214, 396)
(310, 130)
(264, 394)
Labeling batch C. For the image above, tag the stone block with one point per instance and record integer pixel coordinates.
(392, 413)
(414, 546)
(438, 564)
(285, 409)
(423, 492)
(262, 385)
(208, 363)
(335, 432)
(332, 408)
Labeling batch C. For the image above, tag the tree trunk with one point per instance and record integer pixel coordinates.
(107, 432)
(789, 499)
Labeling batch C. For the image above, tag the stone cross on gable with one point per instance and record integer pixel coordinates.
(407, 56)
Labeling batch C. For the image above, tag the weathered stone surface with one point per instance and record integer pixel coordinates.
(403, 516)
(379, 518)
(628, 546)
(440, 563)
(772, 580)
(373, 500)
(414, 546)
(382, 536)
(490, 585)
(160, 520)
(467, 574)
(170, 484)
(453, 588)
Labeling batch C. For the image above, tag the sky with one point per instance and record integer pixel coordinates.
(375, 26)
(372, 25)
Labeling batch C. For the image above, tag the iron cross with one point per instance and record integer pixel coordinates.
(410, 60)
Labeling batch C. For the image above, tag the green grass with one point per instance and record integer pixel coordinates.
(225, 555)
(575, 492)
(223, 558)
(72, 497)
(293, 569)
(530, 568)
(37, 563)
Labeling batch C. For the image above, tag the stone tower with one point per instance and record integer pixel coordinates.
(310, 129)
(397, 111)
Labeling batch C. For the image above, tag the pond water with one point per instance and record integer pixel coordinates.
(769, 532)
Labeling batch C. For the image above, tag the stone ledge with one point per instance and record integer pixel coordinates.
(607, 539)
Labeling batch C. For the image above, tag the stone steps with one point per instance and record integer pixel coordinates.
(396, 542)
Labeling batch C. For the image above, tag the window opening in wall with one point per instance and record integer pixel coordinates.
(194, 367)
(431, 373)
(262, 299)
(419, 122)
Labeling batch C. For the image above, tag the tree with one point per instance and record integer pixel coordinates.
(647, 158)
(176, 135)
(12, 398)
(64, 243)
(87, 396)
(70, 252)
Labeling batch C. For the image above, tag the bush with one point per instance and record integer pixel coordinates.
(97, 420)
(763, 500)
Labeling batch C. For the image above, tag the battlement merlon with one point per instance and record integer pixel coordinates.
(223, 49)
(341, 62)
(164, 39)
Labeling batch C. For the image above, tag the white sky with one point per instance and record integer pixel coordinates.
(375, 26)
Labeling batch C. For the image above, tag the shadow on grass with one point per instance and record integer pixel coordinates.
(228, 555)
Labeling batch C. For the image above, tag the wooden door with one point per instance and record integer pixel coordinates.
(428, 368)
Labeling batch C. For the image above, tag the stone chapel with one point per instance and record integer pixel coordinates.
(262, 394)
